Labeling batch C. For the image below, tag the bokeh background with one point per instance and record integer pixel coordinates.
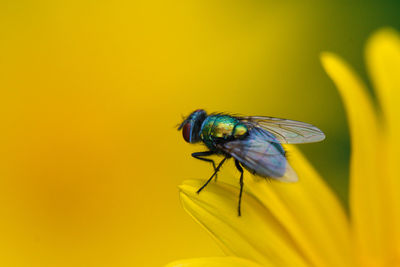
(91, 91)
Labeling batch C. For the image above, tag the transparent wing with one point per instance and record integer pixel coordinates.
(286, 131)
(260, 157)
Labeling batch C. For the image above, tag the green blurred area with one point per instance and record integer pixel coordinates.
(341, 27)
(307, 94)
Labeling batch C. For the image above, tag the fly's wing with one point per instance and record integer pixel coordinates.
(261, 157)
(285, 131)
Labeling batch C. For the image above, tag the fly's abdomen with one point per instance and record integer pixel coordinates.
(221, 128)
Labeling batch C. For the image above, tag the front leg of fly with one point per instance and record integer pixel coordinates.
(202, 155)
(212, 176)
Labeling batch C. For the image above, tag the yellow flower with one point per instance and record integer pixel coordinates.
(303, 224)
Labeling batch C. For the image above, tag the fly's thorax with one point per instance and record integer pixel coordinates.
(220, 128)
(223, 127)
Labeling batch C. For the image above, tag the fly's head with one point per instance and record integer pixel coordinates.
(191, 126)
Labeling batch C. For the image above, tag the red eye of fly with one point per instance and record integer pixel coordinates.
(186, 132)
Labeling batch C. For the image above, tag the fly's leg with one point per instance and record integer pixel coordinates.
(201, 155)
(241, 184)
(212, 176)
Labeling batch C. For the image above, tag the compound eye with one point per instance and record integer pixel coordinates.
(186, 131)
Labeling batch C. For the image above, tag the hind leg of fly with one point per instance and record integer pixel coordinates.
(212, 176)
(237, 163)
(201, 155)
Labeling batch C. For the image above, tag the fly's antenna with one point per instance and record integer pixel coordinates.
(180, 125)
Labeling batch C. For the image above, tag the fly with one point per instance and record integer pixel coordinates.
(254, 142)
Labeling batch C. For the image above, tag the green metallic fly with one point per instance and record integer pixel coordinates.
(254, 143)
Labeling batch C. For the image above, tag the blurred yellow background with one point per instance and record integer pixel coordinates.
(90, 95)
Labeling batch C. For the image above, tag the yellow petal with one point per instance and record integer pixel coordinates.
(366, 196)
(309, 212)
(290, 224)
(256, 235)
(383, 58)
(215, 262)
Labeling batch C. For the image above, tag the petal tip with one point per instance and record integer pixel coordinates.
(188, 186)
(386, 33)
(330, 61)
(385, 39)
(325, 55)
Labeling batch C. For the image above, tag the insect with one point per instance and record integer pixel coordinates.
(253, 142)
